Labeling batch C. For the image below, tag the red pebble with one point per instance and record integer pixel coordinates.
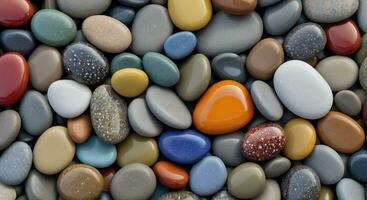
(14, 76)
(15, 13)
(263, 142)
(343, 38)
(107, 174)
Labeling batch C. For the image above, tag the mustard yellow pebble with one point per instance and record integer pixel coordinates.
(326, 193)
(190, 15)
(129, 82)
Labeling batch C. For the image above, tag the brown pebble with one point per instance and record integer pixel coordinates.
(107, 174)
(236, 7)
(80, 128)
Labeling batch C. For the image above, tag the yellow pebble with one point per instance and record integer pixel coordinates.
(300, 139)
(326, 193)
(129, 82)
(190, 15)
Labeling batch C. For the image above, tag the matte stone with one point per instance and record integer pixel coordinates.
(264, 3)
(123, 14)
(227, 148)
(271, 191)
(187, 195)
(276, 167)
(79, 37)
(361, 54)
(362, 15)
(10, 123)
(83, 8)
(133, 3)
(356, 165)
(180, 44)
(223, 195)
(350, 189)
(361, 94)
(17, 40)
(363, 74)
(125, 60)
(236, 7)
(229, 66)
(348, 102)
(7, 192)
(39, 186)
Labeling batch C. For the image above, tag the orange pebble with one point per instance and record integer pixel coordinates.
(80, 128)
(225, 107)
(171, 175)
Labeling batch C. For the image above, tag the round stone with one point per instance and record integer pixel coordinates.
(130, 82)
(229, 66)
(40, 186)
(227, 148)
(236, 7)
(83, 8)
(122, 13)
(271, 191)
(180, 44)
(356, 165)
(276, 167)
(348, 102)
(125, 60)
(10, 124)
(80, 128)
(16, 13)
(17, 40)
(348, 188)
(171, 175)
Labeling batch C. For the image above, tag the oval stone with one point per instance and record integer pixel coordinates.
(348, 188)
(271, 191)
(229, 66)
(129, 82)
(168, 107)
(296, 76)
(227, 148)
(348, 102)
(40, 186)
(53, 151)
(80, 128)
(124, 14)
(361, 16)
(108, 113)
(15, 163)
(53, 27)
(83, 8)
(245, 31)
(363, 74)
(16, 13)
(276, 167)
(184, 146)
(236, 7)
(10, 124)
(180, 45)
(171, 175)
(17, 40)
(125, 60)
(356, 165)
(106, 33)
(150, 29)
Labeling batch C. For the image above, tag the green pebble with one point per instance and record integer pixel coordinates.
(125, 60)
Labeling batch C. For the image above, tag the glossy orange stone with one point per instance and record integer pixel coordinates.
(171, 175)
(79, 128)
(107, 174)
(15, 13)
(225, 107)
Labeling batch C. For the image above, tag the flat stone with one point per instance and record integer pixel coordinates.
(122, 13)
(350, 189)
(271, 191)
(125, 60)
(168, 107)
(80, 128)
(133, 3)
(171, 175)
(276, 167)
(227, 147)
(142, 120)
(130, 82)
(236, 7)
(340, 72)
(108, 113)
(280, 18)
(15, 163)
(245, 32)
(150, 29)
(83, 8)
(10, 123)
(348, 102)
(361, 54)
(361, 16)
(229, 66)
(40, 186)
(180, 44)
(21, 41)
(296, 76)
(179, 195)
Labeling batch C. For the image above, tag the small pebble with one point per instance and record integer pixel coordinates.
(236, 7)
(356, 165)
(180, 44)
(271, 191)
(276, 167)
(227, 147)
(10, 124)
(18, 40)
(229, 66)
(123, 14)
(80, 128)
(171, 175)
(125, 60)
(130, 82)
(348, 102)
(78, 8)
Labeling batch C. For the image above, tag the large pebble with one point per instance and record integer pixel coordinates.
(17, 40)
(40, 186)
(15, 163)
(245, 31)
(10, 123)
(109, 115)
(83, 8)
(227, 148)
(125, 60)
(35, 112)
(150, 29)
(229, 66)
(7, 192)
(276, 167)
(271, 191)
(68, 98)
(350, 189)
(171, 175)
(180, 44)
(168, 107)
(362, 15)
(296, 76)
(348, 102)
(53, 151)
(129, 82)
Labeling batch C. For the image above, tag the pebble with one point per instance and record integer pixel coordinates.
(356, 165)
(133, 3)
(246, 181)
(15, 13)
(350, 189)
(223, 195)
(130, 82)
(39, 186)
(171, 175)
(340, 72)
(7, 192)
(261, 68)
(184, 146)
(105, 196)
(186, 195)
(271, 191)
(150, 28)
(361, 16)
(160, 69)
(53, 27)
(195, 75)
(125, 60)
(78, 8)
(210, 118)
(229, 66)
(45, 65)
(10, 124)
(266, 101)
(276, 167)
(167, 107)
(80, 128)
(327, 163)
(53, 151)
(122, 13)
(68, 98)
(301, 139)
(179, 45)
(236, 7)
(190, 15)
(137, 149)
(361, 94)
(80, 181)
(106, 33)
(329, 11)
(108, 113)
(134, 181)
(160, 190)
(280, 18)
(85, 63)
(343, 38)
(340, 132)
(15, 163)
(362, 74)
(227, 148)
(209, 168)
(305, 41)
(265, 3)
(17, 40)
(348, 102)
(14, 76)
(245, 32)
(361, 54)
(96, 153)
(301, 182)
(326, 193)
(295, 76)
(107, 174)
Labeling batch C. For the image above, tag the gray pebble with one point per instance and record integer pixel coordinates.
(348, 102)
(227, 148)
(39, 186)
(362, 15)
(10, 124)
(7, 192)
(79, 37)
(229, 66)
(363, 74)
(348, 189)
(276, 167)
(83, 8)
(160, 2)
(361, 54)
(361, 94)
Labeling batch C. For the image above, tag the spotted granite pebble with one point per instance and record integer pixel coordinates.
(180, 195)
(223, 195)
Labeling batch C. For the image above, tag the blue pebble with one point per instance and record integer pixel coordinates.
(123, 14)
(96, 153)
(357, 165)
(180, 45)
(105, 196)
(18, 40)
(184, 146)
(208, 176)
(125, 60)
(159, 191)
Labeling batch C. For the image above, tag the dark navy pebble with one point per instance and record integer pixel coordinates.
(180, 45)
(357, 166)
(17, 40)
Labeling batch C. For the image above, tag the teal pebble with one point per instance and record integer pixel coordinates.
(160, 69)
(96, 153)
(53, 27)
(125, 60)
